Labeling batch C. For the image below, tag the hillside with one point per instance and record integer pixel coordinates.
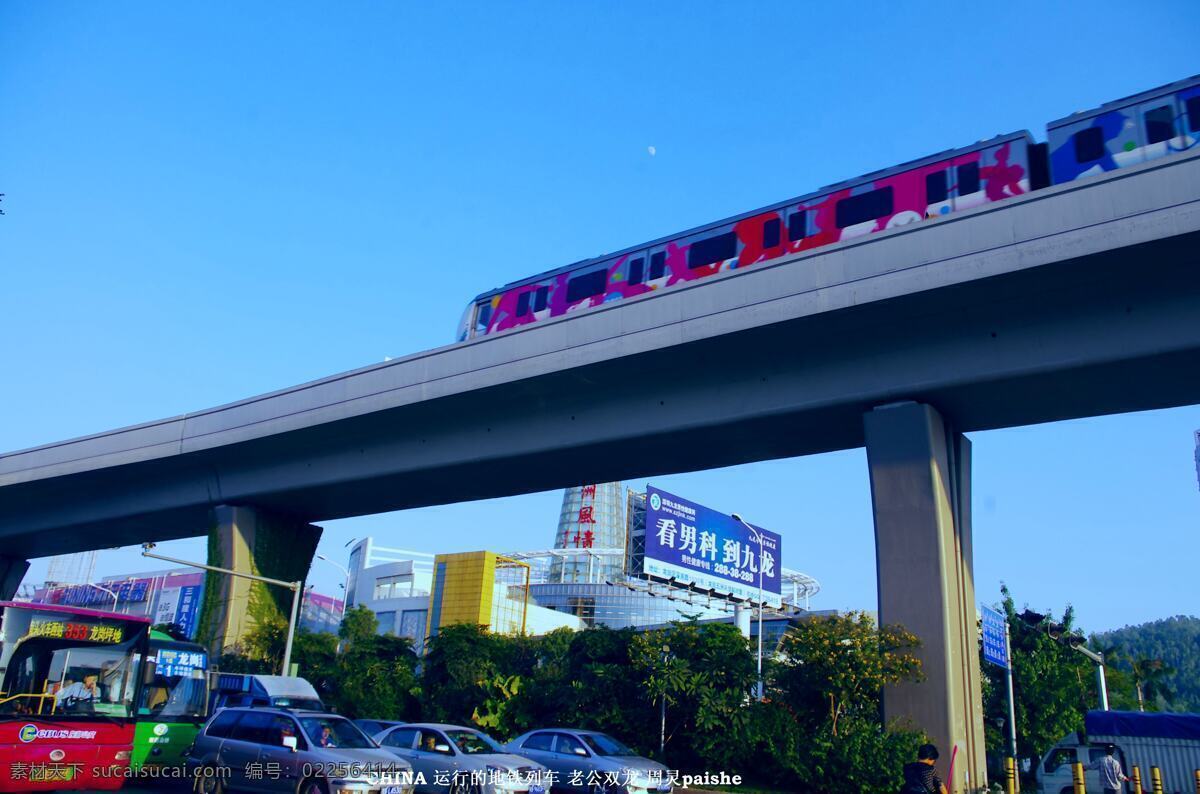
(1176, 641)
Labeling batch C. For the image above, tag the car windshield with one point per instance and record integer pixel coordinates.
(334, 732)
(473, 742)
(603, 744)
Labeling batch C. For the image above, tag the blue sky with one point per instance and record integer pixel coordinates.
(209, 201)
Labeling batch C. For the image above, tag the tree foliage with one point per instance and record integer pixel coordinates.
(1173, 643)
(618, 681)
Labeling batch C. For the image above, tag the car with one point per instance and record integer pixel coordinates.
(454, 759)
(592, 762)
(285, 750)
(372, 727)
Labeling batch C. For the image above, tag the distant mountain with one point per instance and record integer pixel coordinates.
(1175, 641)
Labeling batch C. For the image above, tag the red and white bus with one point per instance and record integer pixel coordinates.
(69, 687)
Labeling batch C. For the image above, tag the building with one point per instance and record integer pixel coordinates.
(592, 517)
(168, 596)
(589, 577)
(398, 586)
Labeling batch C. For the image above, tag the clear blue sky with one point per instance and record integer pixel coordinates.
(210, 201)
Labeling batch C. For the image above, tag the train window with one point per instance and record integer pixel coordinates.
(587, 285)
(1089, 145)
(1193, 112)
(484, 318)
(658, 265)
(539, 298)
(1160, 124)
(772, 231)
(798, 225)
(523, 304)
(968, 178)
(637, 270)
(713, 249)
(937, 188)
(864, 207)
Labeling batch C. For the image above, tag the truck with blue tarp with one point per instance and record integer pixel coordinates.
(1170, 742)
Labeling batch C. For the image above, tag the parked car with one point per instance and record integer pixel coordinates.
(372, 727)
(309, 752)
(591, 761)
(449, 759)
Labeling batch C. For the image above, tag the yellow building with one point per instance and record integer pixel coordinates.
(479, 587)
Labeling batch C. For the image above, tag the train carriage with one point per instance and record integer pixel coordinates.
(1125, 132)
(1138, 128)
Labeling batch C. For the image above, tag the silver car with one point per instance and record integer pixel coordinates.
(593, 762)
(303, 752)
(453, 759)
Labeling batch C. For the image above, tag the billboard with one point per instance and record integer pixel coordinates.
(695, 545)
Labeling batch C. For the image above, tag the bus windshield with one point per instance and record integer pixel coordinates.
(176, 685)
(70, 663)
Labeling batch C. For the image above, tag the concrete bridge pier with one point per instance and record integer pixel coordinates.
(12, 570)
(256, 541)
(921, 492)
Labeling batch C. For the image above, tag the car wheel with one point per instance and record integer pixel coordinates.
(209, 783)
(314, 786)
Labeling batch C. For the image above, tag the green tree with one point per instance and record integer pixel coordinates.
(1150, 681)
(827, 689)
(1175, 642)
(1053, 687)
(840, 665)
(377, 679)
(460, 662)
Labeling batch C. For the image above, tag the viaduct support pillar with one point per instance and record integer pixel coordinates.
(12, 570)
(921, 492)
(254, 541)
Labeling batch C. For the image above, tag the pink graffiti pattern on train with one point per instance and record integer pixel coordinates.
(1001, 175)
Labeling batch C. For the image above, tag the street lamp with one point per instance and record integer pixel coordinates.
(759, 539)
(101, 588)
(345, 584)
(1058, 633)
(662, 734)
(293, 586)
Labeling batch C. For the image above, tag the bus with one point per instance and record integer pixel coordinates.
(69, 684)
(173, 704)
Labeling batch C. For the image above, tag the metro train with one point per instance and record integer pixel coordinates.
(1136, 129)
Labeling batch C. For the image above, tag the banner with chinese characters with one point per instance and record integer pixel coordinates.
(695, 545)
(75, 628)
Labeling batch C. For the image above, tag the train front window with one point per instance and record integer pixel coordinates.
(483, 317)
(175, 686)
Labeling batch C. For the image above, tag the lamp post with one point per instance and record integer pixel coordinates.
(662, 733)
(759, 538)
(99, 587)
(293, 586)
(345, 584)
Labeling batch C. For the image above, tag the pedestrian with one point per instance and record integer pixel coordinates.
(1111, 774)
(920, 777)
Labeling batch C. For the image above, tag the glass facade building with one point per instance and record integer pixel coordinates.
(592, 516)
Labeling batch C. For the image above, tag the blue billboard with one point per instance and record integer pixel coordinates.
(695, 545)
(187, 609)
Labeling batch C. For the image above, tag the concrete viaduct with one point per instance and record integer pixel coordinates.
(1078, 300)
